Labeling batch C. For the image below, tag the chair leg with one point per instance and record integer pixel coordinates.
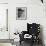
(20, 42)
(32, 42)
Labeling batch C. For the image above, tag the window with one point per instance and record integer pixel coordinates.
(3, 17)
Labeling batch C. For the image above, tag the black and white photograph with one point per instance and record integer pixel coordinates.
(22, 22)
(21, 13)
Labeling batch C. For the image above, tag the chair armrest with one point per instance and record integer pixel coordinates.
(22, 35)
(24, 32)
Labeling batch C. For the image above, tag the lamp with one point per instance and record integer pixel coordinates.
(42, 1)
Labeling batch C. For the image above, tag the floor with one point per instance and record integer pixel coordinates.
(5, 44)
(22, 44)
(27, 44)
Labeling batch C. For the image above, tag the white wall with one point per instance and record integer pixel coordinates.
(35, 13)
(3, 21)
(3, 1)
(4, 34)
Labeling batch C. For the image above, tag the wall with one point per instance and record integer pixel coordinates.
(3, 21)
(4, 34)
(3, 1)
(35, 13)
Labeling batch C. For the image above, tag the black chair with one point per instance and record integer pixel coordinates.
(32, 29)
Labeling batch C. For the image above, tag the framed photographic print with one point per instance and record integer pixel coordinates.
(21, 13)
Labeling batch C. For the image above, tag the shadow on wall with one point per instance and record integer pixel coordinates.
(41, 35)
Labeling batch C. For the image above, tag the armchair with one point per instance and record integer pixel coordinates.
(33, 30)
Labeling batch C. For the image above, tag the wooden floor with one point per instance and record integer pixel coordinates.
(27, 44)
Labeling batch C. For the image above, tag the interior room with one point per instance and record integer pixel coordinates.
(22, 22)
